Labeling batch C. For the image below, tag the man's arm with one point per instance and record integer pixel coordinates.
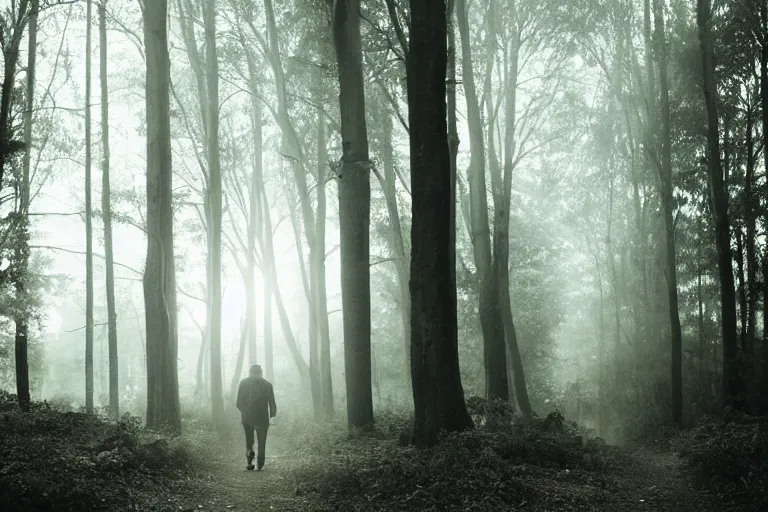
(272, 405)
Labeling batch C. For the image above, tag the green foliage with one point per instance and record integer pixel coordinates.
(730, 456)
(72, 461)
(487, 468)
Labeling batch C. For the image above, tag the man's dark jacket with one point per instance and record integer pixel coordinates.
(256, 401)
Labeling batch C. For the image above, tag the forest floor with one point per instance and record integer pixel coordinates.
(70, 461)
(636, 479)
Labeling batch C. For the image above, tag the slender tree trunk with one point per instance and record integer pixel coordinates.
(21, 319)
(764, 109)
(354, 214)
(501, 227)
(733, 388)
(106, 207)
(88, 221)
(395, 240)
(291, 145)
(320, 299)
(494, 351)
(438, 395)
(200, 366)
(255, 226)
(214, 192)
(742, 286)
(602, 394)
(667, 201)
(750, 219)
(269, 360)
(700, 300)
(258, 194)
(240, 359)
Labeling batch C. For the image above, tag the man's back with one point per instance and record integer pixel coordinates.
(256, 400)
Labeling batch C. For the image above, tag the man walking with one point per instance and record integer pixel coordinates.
(256, 402)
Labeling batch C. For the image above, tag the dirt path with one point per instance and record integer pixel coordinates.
(647, 481)
(657, 481)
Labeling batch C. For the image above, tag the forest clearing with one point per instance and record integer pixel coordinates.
(389, 255)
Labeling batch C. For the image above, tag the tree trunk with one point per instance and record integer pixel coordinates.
(395, 240)
(733, 386)
(21, 319)
(88, 221)
(494, 351)
(742, 286)
(106, 207)
(163, 409)
(244, 335)
(258, 194)
(214, 192)
(750, 218)
(354, 214)
(290, 144)
(317, 261)
(502, 206)
(438, 395)
(668, 205)
(764, 109)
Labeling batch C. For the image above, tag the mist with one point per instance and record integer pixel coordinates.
(507, 232)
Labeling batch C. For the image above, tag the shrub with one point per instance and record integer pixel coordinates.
(487, 468)
(74, 461)
(729, 456)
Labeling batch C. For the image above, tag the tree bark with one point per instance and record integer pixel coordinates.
(163, 409)
(354, 215)
(88, 221)
(319, 295)
(764, 109)
(750, 218)
(733, 386)
(494, 351)
(214, 193)
(502, 206)
(21, 320)
(395, 240)
(668, 206)
(438, 395)
(106, 207)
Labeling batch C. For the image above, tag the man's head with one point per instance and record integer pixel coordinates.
(256, 370)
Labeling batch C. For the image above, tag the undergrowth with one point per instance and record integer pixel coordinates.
(68, 460)
(505, 461)
(729, 457)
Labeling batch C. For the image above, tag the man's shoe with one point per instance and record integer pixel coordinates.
(250, 467)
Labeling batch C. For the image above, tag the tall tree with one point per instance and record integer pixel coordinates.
(163, 409)
(438, 395)
(354, 214)
(763, 30)
(106, 207)
(88, 218)
(22, 243)
(668, 209)
(494, 351)
(733, 386)
(214, 200)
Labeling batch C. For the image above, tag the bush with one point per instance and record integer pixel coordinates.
(729, 456)
(74, 461)
(491, 467)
